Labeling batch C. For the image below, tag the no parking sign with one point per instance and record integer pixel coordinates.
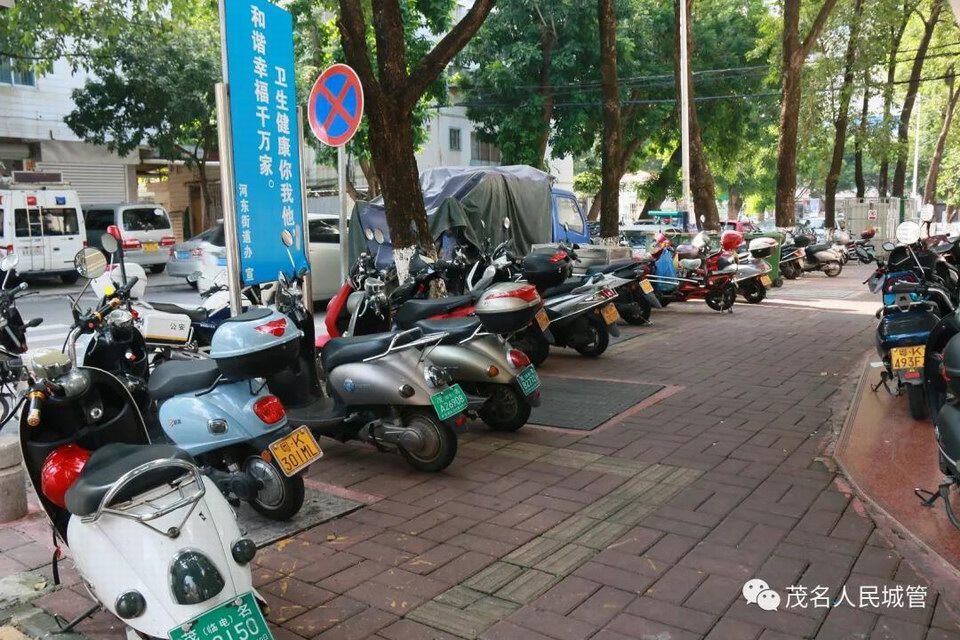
(335, 106)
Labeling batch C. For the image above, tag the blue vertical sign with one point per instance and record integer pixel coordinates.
(266, 155)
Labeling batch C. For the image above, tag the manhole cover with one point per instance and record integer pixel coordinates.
(575, 403)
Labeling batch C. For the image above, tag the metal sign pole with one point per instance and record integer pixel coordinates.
(342, 186)
(304, 212)
(685, 117)
(227, 194)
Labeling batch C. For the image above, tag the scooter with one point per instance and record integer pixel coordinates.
(819, 257)
(376, 388)
(214, 408)
(946, 423)
(13, 336)
(154, 541)
(701, 275)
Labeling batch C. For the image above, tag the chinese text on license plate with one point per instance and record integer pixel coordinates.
(543, 320)
(296, 451)
(765, 280)
(239, 618)
(907, 357)
(449, 402)
(610, 314)
(529, 380)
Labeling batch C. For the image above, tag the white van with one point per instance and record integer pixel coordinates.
(145, 231)
(44, 226)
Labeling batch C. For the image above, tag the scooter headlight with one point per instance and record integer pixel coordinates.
(130, 605)
(194, 578)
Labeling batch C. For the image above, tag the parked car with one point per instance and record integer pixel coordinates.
(743, 226)
(188, 256)
(145, 231)
(209, 248)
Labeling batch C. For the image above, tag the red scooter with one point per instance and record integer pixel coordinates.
(699, 273)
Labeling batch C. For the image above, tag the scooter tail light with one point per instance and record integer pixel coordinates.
(559, 256)
(275, 328)
(518, 359)
(269, 409)
(527, 294)
(912, 375)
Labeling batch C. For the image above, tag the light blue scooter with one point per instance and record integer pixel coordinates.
(218, 409)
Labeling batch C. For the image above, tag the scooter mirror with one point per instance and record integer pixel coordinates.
(368, 233)
(90, 263)
(378, 236)
(194, 277)
(908, 232)
(506, 224)
(9, 262)
(110, 244)
(888, 246)
(286, 238)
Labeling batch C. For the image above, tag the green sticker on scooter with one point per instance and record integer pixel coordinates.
(238, 618)
(449, 402)
(529, 380)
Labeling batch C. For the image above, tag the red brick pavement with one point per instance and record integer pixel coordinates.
(646, 529)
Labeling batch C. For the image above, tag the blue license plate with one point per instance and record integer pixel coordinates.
(183, 255)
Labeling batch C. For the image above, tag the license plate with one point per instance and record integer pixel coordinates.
(296, 452)
(907, 357)
(183, 255)
(449, 402)
(645, 286)
(150, 246)
(239, 618)
(610, 314)
(765, 280)
(529, 380)
(543, 320)
(222, 262)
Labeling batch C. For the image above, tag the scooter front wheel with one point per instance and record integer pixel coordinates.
(438, 442)
(280, 498)
(506, 409)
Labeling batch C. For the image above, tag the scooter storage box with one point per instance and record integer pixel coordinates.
(167, 328)
(255, 344)
(687, 252)
(762, 247)
(507, 307)
(547, 268)
(904, 328)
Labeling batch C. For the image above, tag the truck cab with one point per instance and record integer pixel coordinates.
(569, 220)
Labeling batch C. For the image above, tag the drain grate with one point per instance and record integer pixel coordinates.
(575, 403)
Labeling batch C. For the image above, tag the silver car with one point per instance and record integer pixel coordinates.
(206, 248)
(145, 231)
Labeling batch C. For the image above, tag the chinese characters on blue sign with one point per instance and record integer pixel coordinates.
(266, 155)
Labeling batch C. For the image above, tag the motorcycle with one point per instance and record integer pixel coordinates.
(154, 541)
(214, 408)
(702, 274)
(869, 251)
(376, 388)
(13, 336)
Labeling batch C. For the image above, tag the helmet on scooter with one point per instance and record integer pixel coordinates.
(868, 233)
(60, 470)
(730, 240)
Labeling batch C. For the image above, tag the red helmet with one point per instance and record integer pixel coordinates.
(868, 233)
(60, 470)
(730, 240)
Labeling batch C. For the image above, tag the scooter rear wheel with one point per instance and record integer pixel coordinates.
(506, 409)
(534, 344)
(281, 497)
(440, 442)
(917, 399)
(722, 298)
(832, 269)
(599, 337)
(636, 311)
(753, 292)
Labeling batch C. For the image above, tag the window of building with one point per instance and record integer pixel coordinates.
(10, 75)
(483, 152)
(454, 139)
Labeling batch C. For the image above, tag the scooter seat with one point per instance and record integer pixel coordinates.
(110, 462)
(691, 264)
(612, 267)
(459, 329)
(563, 289)
(816, 248)
(196, 314)
(181, 376)
(340, 351)
(413, 310)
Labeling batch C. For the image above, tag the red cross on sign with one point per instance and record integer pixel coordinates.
(335, 106)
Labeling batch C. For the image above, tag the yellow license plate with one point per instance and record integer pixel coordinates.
(610, 314)
(543, 320)
(907, 357)
(150, 246)
(765, 280)
(645, 286)
(296, 452)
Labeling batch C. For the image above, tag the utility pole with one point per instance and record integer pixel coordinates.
(685, 116)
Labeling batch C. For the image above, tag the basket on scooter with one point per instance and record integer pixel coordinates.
(255, 344)
(508, 307)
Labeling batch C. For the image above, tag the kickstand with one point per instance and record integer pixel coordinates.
(928, 498)
(67, 626)
(884, 379)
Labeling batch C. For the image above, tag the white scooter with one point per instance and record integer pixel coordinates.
(154, 541)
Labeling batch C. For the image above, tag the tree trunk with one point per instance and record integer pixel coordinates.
(897, 36)
(858, 143)
(843, 118)
(951, 213)
(610, 145)
(658, 189)
(206, 198)
(370, 175)
(625, 156)
(734, 203)
(547, 41)
(903, 128)
(794, 54)
(594, 213)
(702, 188)
(930, 188)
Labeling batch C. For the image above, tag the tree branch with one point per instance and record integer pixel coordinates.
(818, 24)
(436, 61)
(353, 36)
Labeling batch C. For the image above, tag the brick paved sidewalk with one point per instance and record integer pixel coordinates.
(645, 528)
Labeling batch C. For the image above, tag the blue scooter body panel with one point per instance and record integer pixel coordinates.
(185, 418)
